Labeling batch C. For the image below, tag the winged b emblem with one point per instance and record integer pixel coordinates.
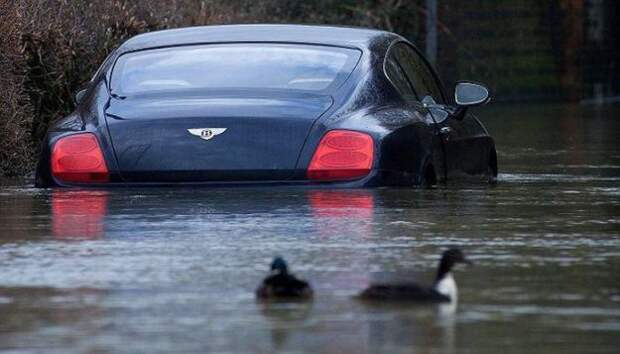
(206, 133)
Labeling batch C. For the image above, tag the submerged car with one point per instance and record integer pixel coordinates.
(267, 104)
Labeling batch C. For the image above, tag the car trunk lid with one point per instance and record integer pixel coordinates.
(161, 139)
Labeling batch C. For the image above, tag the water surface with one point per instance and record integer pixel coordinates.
(174, 270)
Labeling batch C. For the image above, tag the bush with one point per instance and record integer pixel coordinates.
(48, 50)
(15, 109)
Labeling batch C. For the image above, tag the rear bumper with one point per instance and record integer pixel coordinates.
(376, 178)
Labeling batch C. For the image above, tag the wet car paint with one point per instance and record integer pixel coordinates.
(406, 134)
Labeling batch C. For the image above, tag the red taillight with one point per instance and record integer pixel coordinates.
(78, 158)
(342, 154)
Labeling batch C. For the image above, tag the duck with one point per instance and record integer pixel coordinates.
(443, 289)
(281, 284)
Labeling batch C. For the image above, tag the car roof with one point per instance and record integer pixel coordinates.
(361, 38)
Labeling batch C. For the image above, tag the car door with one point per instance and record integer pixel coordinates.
(460, 137)
(396, 74)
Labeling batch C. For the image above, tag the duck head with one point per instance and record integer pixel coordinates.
(278, 266)
(444, 283)
(448, 259)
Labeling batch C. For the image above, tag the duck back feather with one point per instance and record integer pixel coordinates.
(283, 285)
(403, 292)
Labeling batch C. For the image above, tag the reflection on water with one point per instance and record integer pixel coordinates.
(282, 316)
(338, 203)
(174, 270)
(332, 208)
(78, 214)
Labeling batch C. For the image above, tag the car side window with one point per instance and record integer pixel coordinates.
(396, 74)
(418, 73)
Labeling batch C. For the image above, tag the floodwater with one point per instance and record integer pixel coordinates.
(174, 270)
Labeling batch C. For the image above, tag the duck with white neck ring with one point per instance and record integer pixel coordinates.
(443, 289)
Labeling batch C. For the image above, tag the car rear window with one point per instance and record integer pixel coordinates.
(221, 66)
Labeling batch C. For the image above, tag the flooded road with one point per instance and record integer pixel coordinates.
(174, 270)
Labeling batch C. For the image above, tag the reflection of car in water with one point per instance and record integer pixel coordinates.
(78, 214)
(267, 104)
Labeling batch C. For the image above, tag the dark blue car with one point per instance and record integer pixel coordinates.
(267, 104)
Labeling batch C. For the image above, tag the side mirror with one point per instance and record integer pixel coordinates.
(471, 94)
(79, 96)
